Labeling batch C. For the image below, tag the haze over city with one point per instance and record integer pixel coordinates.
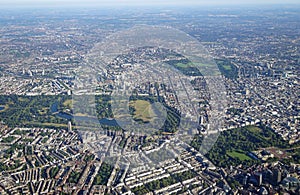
(129, 97)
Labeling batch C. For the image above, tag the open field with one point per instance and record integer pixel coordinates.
(253, 129)
(236, 154)
(190, 64)
(227, 67)
(68, 103)
(142, 110)
(56, 125)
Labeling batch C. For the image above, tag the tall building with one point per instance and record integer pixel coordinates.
(277, 176)
(259, 178)
(69, 126)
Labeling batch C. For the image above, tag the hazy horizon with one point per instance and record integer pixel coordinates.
(57, 3)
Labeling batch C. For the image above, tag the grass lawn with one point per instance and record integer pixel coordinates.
(68, 104)
(253, 129)
(181, 65)
(143, 110)
(47, 124)
(227, 67)
(190, 64)
(239, 155)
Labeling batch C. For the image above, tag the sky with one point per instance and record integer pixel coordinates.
(140, 2)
